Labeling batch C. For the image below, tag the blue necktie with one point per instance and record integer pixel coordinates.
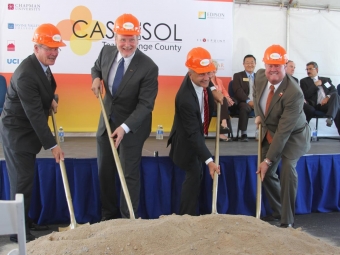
(118, 77)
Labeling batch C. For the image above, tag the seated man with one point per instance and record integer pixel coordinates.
(243, 92)
(320, 95)
(290, 69)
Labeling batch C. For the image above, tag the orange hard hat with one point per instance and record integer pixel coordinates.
(199, 60)
(275, 55)
(49, 35)
(126, 24)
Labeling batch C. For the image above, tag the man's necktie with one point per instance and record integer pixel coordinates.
(269, 99)
(48, 74)
(206, 111)
(251, 84)
(321, 92)
(118, 77)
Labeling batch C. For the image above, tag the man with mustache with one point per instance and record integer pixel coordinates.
(131, 85)
(24, 120)
(278, 105)
(320, 95)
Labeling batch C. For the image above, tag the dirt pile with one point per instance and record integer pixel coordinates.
(207, 234)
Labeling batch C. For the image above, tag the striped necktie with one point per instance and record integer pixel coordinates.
(206, 111)
(48, 74)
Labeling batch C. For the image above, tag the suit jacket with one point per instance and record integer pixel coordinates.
(23, 124)
(310, 91)
(186, 136)
(285, 119)
(241, 87)
(135, 98)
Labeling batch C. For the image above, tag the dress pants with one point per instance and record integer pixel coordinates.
(244, 110)
(281, 193)
(191, 188)
(20, 169)
(130, 154)
(331, 109)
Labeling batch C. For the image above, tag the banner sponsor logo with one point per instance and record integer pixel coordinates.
(22, 26)
(12, 61)
(11, 45)
(85, 31)
(210, 15)
(211, 40)
(24, 7)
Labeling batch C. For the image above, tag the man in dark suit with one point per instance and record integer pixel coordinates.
(278, 104)
(23, 125)
(290, 69)
(192, 113)
(320, 95)
(129, 107)
(243, 92)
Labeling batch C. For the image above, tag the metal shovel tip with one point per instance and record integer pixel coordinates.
(72, 226)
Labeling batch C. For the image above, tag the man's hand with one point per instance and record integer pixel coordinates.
(218, 96)
(324, 101)
(58, 154)
(54, 106)
(262, 170)
(257, 121)
(118, 135)
(251, 104)
(96, 86)
(318, 83)
(213, 168)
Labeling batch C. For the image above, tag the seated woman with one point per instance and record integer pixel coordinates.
(227, 102)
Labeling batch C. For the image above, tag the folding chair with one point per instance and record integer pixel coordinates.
(12, 221)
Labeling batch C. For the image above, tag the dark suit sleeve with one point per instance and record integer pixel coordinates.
(309, 90)
(239, 93)
(331, 89)
(30, 97)
(96, 70)
(188, 115)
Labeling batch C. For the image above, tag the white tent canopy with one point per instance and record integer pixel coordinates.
(308, 29)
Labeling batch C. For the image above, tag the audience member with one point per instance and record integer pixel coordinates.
(290, 69)
(320, 95)
(227, 102)
(243, 83)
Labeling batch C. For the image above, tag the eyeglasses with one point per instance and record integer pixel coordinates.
(201, 75)
(310, 69)
(50, 50)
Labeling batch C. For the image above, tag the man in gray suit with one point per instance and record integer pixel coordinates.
(23, 124)
(130, 81)
(278, 104)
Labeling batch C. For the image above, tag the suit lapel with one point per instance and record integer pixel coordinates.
(50, 88)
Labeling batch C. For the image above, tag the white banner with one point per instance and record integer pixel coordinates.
(169, 30)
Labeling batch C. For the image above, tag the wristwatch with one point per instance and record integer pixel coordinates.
(268, 162)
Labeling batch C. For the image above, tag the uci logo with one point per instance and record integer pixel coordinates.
(14, 61)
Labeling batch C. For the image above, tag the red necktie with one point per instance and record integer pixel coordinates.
(206, 111)
(269, 99)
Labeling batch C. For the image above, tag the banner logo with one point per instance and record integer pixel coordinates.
(24, 7)
(10, 45)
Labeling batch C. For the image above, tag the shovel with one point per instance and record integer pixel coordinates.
(73, 224)
(259, 182)
(217, 160)
(117, 160)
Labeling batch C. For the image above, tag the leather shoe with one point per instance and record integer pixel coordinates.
(35, 227)
(224, 130)
(269, 218)
(329, 122)
(105, 218)
(283, 225)
(29, 237)
(244, 138)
